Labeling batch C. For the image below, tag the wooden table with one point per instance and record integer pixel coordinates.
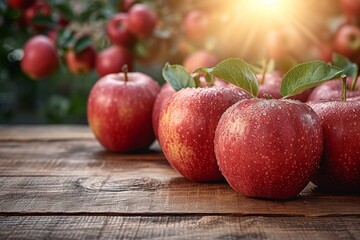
(58, 183)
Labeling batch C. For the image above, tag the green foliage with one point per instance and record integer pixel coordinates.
(178, 77)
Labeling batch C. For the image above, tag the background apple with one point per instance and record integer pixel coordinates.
(119, 111)
(20, 4)
(198, 59)
(196, 24)
(269, 148)
(187, 126)
(141, 20)
(117, 30)
(112, 59)
(332, 90)
(347, 40)
(350, 7)
(40, 57)
(39, 8)
(340, 166)
(82, 62)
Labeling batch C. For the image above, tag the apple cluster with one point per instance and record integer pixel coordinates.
(54, 39)
(210, 129)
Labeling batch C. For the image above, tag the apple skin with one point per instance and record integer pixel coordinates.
(112, 59)
(187, 126)
(119, 112)
(199, 59)
(340, 166)
(196, 24)
(37, 9)
(269, 148)
(350, 7)
(40, 57)
(332, 90)
(162, 99)
(347, 40)
(118, 32)
(125, 5)
(82, 62)
(20, 4)
(141, 20)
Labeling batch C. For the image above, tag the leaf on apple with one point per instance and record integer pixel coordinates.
(307, 75)
(350, 68)
(178, 77)
(235, 71)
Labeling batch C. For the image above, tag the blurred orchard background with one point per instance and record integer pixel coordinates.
(273, 34)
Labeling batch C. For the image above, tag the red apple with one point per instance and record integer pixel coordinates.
(340, 166)
(117, 30)
(112, 59)
(187, 127)
(269, 148)
(20, 4)
(347, 40)
(82, 62)
(38, 9)
(196, 24)
(141, 20)
(332, 90)
(40, 57)
(125, 5)
(350, 7)
(119, 111)
(199, 59)
(161, 100)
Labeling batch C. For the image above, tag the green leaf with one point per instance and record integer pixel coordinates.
(65, 9)
(42, 20)
(235, 71)
(350, 68)
(307, 75)
(82, 43)
(65, 38)
(177, 77)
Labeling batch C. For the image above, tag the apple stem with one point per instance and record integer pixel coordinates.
(262, 80)
(125, 69)
(267, 96)
(354, 81)
(343, 78)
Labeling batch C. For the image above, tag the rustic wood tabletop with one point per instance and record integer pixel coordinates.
(57, 182)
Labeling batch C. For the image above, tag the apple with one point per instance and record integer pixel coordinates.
(125, 5)
(141, 20)
(40, 57)
(278, 44)
(38, 9)
(82, 62)
(347, 40)
(187, 126)
(332, 90)
(196, 24)
(112, 59)
(269, 148)
(119, 111)
(199, 59)
(20, 4)
(117, 30)
(340, 167)
(161, 100)
(350, 7)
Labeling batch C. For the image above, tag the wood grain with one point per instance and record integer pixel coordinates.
(44, 132)
(177, 227)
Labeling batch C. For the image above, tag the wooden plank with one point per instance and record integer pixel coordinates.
(80, 157)
(44, 132)
(177, 227)
(122, 194)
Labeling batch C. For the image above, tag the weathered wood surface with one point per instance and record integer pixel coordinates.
(59, 183)
(178, 227)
